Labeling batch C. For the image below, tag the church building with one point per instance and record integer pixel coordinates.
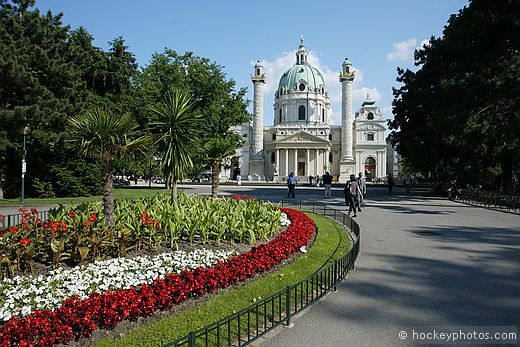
(302, 139)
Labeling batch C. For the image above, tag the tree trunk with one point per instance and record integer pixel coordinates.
(506, 166)
(108, 192)
(174, 190)
(215, 171)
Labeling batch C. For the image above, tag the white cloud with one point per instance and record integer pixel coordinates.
(274, 70)
(404, 50)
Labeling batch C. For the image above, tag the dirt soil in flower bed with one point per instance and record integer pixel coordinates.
(126, 326)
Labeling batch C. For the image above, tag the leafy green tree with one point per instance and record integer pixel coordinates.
(49, 73)
(458, 115)
(106, 136)
(213, 95)
(216, 151)
(178, 129)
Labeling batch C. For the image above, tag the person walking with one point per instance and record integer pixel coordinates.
(352, 195)
(362, 184)
(390, 183)
(291, 183)
(327, 182)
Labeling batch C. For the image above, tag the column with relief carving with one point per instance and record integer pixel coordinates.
(257, 161)
(347, 162)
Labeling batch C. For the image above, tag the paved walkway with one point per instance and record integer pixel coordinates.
(423, 262)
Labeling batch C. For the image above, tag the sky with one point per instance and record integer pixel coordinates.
(376, 35)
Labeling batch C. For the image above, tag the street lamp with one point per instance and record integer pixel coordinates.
(26, 130)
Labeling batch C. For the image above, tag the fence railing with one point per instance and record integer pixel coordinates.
(254, 321)
(490, 199)
(12, 220)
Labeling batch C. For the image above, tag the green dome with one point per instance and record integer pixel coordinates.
(301, 77)
(301, 73)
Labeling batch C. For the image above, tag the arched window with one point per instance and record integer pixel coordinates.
(280, 116)
(370, 116)
(258, 71)
(301, 87)
(301, 112)
(323, 115)
(273, 157)
(370, 161)
(330, 137)
(370, 137)
(274, 137)
(322, 90)
(330, 157)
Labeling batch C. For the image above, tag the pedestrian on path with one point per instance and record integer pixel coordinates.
(390, 183)
(291, 183)
(327, 182)
(353, 195)
(362, 184)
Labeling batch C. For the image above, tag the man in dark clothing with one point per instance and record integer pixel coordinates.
(327, 182)
(352, 195)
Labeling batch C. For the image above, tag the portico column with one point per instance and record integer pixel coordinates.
(307, 166)
(325, 160)
(296, 162)
(286, 162)
(277, 161)
(316, 162)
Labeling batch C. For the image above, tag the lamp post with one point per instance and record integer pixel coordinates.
(26, 130)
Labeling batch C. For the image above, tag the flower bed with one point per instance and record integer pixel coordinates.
(76, 318)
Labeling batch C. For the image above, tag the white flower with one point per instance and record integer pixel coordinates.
(22, 295)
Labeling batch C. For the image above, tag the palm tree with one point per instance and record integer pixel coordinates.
(217, 150)
(102, 134)
(178, 129)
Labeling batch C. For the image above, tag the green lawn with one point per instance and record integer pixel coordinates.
(121, 193)
(331, 243)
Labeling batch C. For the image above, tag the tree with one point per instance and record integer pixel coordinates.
(178, 129)
(48, 73)
(458, 115)
(213, 95)
(216, 151)
(102, 134)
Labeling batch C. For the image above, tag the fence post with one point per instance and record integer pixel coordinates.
(288, 304)
(335, 269)
(192, 340)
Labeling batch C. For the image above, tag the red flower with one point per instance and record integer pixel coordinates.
(13, 229)
(34, 210)
(24, 242)
(92, 217)
(72, 214)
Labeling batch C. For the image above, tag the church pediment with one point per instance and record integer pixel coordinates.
(303, 137)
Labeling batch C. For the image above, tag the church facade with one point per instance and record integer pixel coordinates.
(302, 139)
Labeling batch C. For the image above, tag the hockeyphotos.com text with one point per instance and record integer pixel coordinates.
(454, 335)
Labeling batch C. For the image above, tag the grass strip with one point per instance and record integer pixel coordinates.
(331, 243)
(120, 193)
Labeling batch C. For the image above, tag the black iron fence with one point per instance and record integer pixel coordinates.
(509, 203)
(12, 220)
(249, 324)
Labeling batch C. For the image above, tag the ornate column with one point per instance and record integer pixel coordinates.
(256, 162)
(327, 162)
(347, 161)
